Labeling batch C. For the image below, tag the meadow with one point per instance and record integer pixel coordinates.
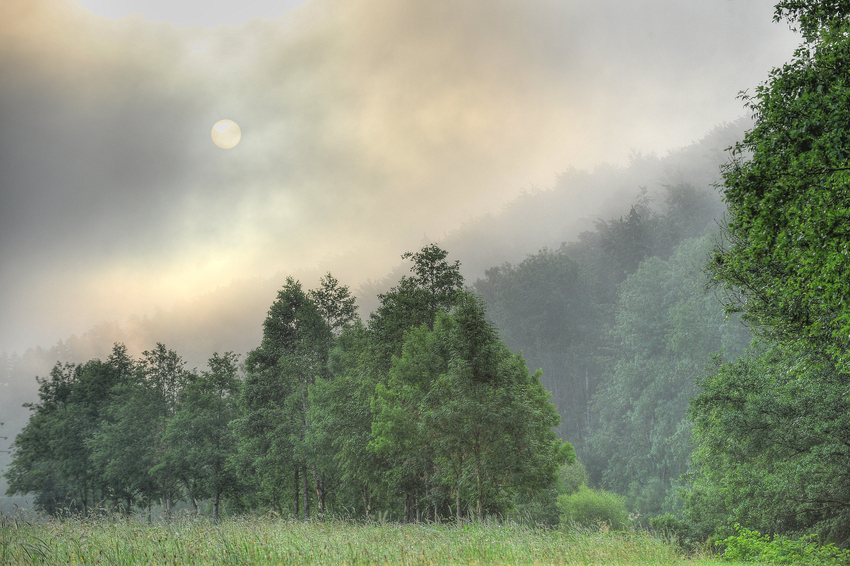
(268, 540)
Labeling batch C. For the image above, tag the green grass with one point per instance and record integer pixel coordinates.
(274, 541)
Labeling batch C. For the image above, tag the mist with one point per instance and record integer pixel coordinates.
(368, 128)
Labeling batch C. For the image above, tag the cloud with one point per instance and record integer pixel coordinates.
(207, 13)
(366, 125)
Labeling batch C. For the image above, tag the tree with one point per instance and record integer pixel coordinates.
(53, 458)
(415, 300)
(341, 416)
(44, 450)
(129, 447)
(667, 330)
(462, 412)
(201, 442)
(773, 446)
(786, 259)
(277, 427)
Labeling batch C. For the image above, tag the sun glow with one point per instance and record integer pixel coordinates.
(226, 134)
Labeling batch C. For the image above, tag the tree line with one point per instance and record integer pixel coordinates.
(420, 413)
(698, 421)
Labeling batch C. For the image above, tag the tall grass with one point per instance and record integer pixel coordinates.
(268, 540)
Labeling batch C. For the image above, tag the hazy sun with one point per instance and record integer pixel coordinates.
(226, 134)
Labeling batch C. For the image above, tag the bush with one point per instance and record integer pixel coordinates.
(752, 546)
(540, 508)
(588, 507)
(571, 478)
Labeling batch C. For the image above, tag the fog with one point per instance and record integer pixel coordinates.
(369, 127)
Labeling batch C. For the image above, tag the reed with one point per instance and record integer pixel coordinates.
(269, 540)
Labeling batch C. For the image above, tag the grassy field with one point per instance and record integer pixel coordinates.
(275, 541)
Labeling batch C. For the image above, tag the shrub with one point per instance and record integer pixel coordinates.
(588, 507)
(571, 478)
(540, 508)
(752, 546)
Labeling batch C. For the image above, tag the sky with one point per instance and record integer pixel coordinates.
(368, 127)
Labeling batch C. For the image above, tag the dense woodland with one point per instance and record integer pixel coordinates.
(420, 413)
(695, 348)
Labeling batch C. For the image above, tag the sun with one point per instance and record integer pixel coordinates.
(226, 134)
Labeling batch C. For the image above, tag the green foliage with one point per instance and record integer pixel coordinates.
(277, 436)
(200, 439)
(772, 428)
(812, 17)
(667, 329)
(786, 261)
(461, 417)
(548, 308)
(671, 526)
(541, 507)
(572, 476)
(772, 431)
(752, 546)
(53, 457)
(590, 507)
(433, 285)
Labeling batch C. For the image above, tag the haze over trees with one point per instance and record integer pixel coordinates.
(423, 412)
(427, 411)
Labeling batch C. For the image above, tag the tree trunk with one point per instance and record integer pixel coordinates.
(367, 501)
(457, 505)
(306, 493)
(479, 507)
(297, 493)
(320, 491)
(215, 506)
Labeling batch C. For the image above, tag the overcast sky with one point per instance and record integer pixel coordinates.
(366, 125)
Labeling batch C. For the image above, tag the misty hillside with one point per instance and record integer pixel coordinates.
(562, 218)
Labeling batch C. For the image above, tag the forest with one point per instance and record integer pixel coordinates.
(683, 366)
(420, 413)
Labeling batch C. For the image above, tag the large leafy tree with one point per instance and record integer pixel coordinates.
(129, 447)
(787, 258)
(49, 449)
(771, 429)
(277, 429)
(462, 412)
(343, 412)
(200, 441)
(53, 458)
(273, 429)
(341, 416)
(773, 434)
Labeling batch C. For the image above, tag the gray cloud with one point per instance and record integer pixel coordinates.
(366, 124)
(207, 13)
